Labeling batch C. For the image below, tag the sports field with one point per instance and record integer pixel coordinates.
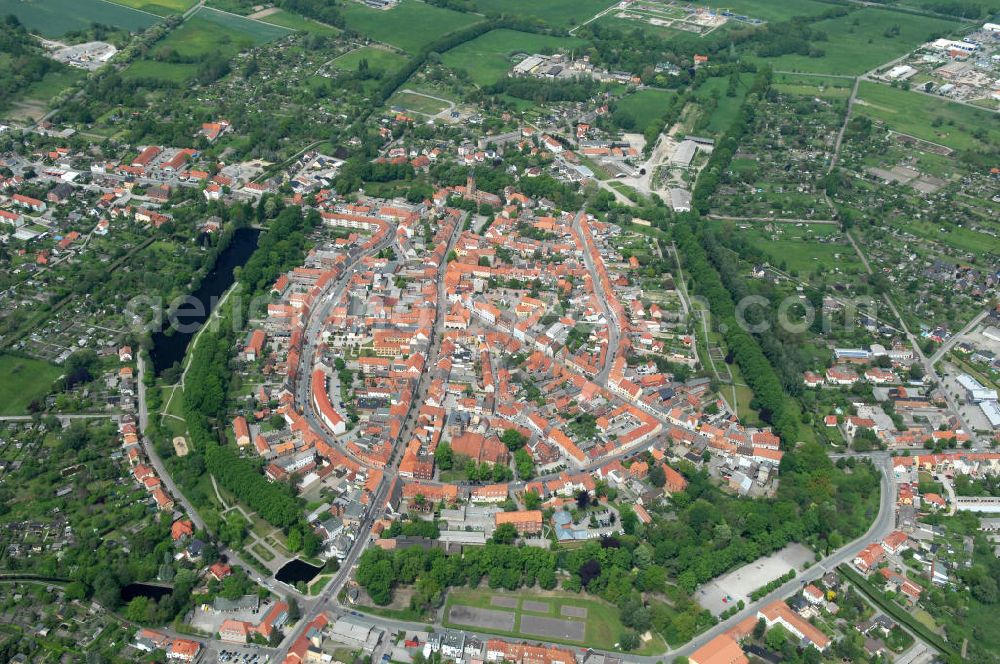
(23, 380)
(556, 616)
(379, 59)
(161, 7)
(410, 25)
(487, 58)
(417, 103)
(933, 119)
(557, 13)
(54, 18)
(862, 40)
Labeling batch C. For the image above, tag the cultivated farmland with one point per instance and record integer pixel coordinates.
(161, 7)
(557, 13)
(862, 40)
(54, 18)
(954, 125)
(487, 58)
(410, 25)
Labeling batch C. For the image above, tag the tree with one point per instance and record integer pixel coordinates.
(505, 533)
(443, 456)
(513, 439)
(776, 637)
(759, 628)
(657, 477)
(532, 501)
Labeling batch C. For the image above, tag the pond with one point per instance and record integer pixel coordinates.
(170, 348)
(297, 570)
(133, 590)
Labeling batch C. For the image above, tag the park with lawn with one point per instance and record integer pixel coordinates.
(25, 381)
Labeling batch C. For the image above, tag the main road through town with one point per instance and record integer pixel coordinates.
(327, 600)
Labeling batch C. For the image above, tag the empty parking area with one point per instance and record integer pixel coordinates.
(484, 618)
(535, 607)
(555, 628)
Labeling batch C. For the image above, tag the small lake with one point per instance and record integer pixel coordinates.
(297, 570)
(170, 348)
(133, 590)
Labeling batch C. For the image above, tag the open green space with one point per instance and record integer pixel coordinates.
(629, 24)
(933, 119)
(161, 7)
(379, 59)
(22, 380)
(813, 85)
(417, 103)
(721, 108)
(487, 58)
(299, 23)
(410, 25)
(971, 9)
(53, 83)
(773, 10)
(54, 18)
(556, 13)
(804, 249)
(172, 72)
(258, 31)
(862, 40)
(603, 625)
(645, 106)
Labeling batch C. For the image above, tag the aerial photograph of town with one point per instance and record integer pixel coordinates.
(484, 331)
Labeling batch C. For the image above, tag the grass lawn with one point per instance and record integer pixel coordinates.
(23, 380)
(646, 106)
(300, 23)
(774, 10)
(805, 249)
(417, 103)
(824, 87)
(409, 25)
(726, 107)
(54, 18)
(163, 71)
(860, 41)
(557, 13)
(916, 114)
(487, 58)
(379, 59)
(53, 83)
(603, 625)
(161, 7)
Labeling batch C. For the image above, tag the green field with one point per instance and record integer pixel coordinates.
(161, 7)
(858, 42)
(54, 18)
(257, 31)
(52, 84)
(628, 24)
(986, 7)
(773, 10)
(410, 25)
(802, 249)
(646, 106)
(300, 23)
(487, 58)
(603, 625)
(417, 103)
(813, 85)
(726, 107)
(916, 114)
(22, 381)
(379, 59)
(557, 13)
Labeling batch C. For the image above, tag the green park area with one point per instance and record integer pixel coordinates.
(637, 110)
(378, 59)
(24, 381)
(417, 103)
(410, 25)
(489, 57)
